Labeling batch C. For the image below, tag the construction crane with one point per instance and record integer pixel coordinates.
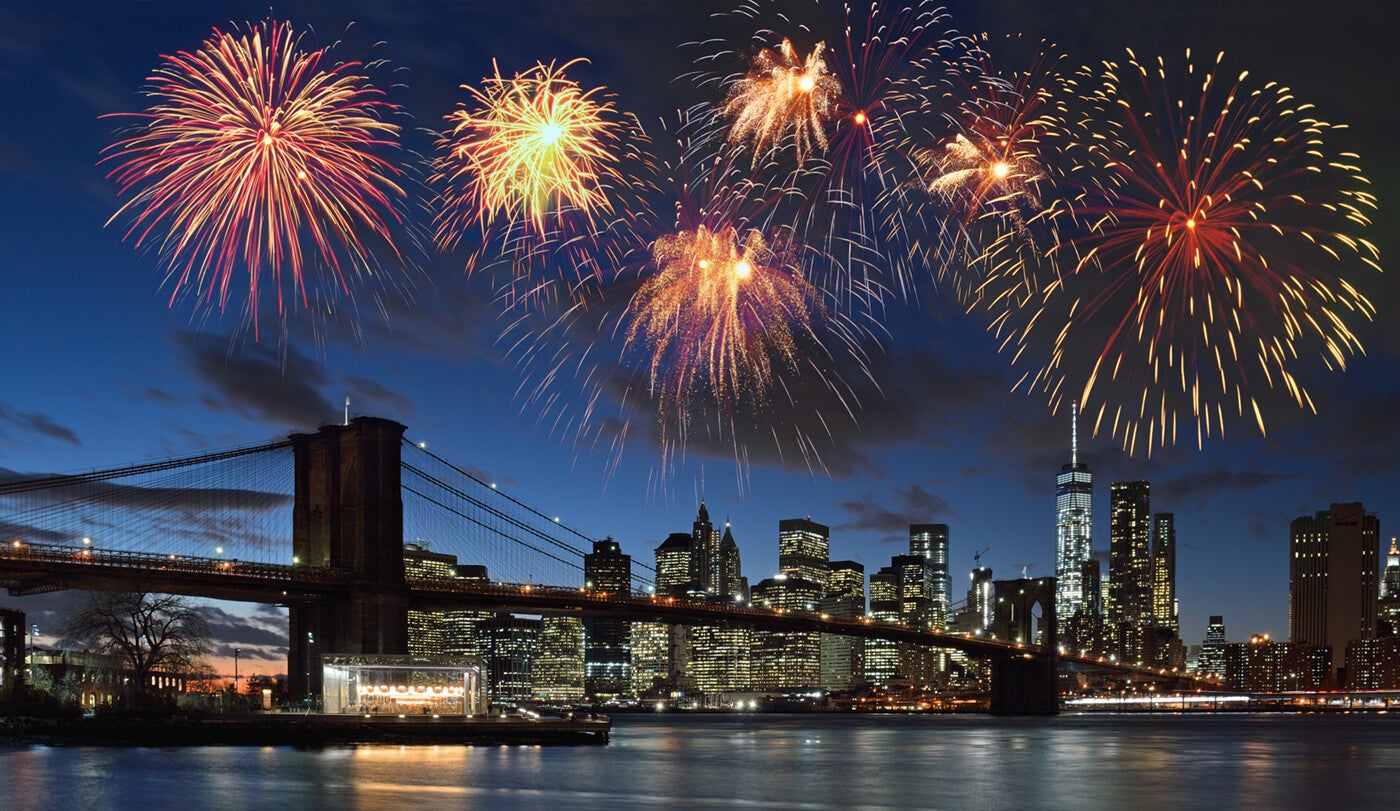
(977, 557)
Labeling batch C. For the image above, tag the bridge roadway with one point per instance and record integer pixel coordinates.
(32, 568)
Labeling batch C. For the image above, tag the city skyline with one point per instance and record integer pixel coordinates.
(105, 373)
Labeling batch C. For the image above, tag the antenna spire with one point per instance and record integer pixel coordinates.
(1074, 433)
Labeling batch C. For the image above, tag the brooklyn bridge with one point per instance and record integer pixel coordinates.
(317, 522)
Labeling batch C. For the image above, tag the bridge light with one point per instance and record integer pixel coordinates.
(218, 550)
(17, 544)
(296, 559)
(87, 541)
(422, 446)
(493, 485)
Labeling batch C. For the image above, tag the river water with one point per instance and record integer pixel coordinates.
(768, 761)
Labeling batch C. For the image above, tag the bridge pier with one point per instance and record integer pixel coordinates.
(1026, 686)
(348, 514)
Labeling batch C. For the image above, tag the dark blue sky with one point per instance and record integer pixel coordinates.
(101, 372)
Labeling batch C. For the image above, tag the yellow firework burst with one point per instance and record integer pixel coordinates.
(525, 147)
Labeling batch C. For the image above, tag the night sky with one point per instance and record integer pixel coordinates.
(100, 371)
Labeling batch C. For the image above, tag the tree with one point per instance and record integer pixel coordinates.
(150, 632)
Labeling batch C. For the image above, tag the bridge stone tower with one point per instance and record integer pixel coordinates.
(348, 514)
(1026, 686)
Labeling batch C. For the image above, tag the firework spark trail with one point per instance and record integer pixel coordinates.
(1212, 263)
(255, 158)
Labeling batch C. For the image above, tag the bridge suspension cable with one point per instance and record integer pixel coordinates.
(49, 481)
(466, 496)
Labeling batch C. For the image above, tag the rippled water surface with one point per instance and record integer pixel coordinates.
(767, 761)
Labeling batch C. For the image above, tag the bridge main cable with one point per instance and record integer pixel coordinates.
(64, 480)
(586, 539)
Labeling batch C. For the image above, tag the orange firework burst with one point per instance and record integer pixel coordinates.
(253, 157)
(783, 98)
(722, 310)
(1210, 265)
(530, 145)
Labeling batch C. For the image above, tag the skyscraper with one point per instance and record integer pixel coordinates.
(882, 655)
(786, 659)
(675, 565)
(1333, 583)
(425, 628)
(730, 581)
(1388, 609)
(1164, 607)
(705, 538)
(607, 652)
(556, 672)
(930, 541)
(1213, 648)
(804, 550)
(842, 656)
(1074, 521)
(1129, 610)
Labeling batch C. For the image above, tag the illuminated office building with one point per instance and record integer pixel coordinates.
(426, 634)
(1129, 609)
(1333, 583)
(786, 659)
(706, 540)
(804, 550)
(930, 541)
(607, 641)
(459, 628)
(509, 644)
(842, 657)
(1212, 658)
(1164, 608)
(1388, 608)
(882, 655)
(1074, 521)
(557, 667)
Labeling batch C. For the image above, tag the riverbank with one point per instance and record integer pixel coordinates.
(308, 730)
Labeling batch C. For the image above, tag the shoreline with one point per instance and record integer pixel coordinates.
(302, 730)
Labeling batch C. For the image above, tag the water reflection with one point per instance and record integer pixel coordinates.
(759, 761)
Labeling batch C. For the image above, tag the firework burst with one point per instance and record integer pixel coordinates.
(257, 158)
(525, 148)
(547, 171)
(1000, 181)
(783, 99)
(846, 112)
(708, 320)
(720, 312)
(1213, 261)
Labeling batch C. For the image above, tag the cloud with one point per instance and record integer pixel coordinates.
(913, 505)
(30, 422)
(1194, 488)
(259, 382)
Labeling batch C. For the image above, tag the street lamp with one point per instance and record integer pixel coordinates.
(310, 640)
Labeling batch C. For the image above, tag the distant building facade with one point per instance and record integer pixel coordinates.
(1333, 583)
